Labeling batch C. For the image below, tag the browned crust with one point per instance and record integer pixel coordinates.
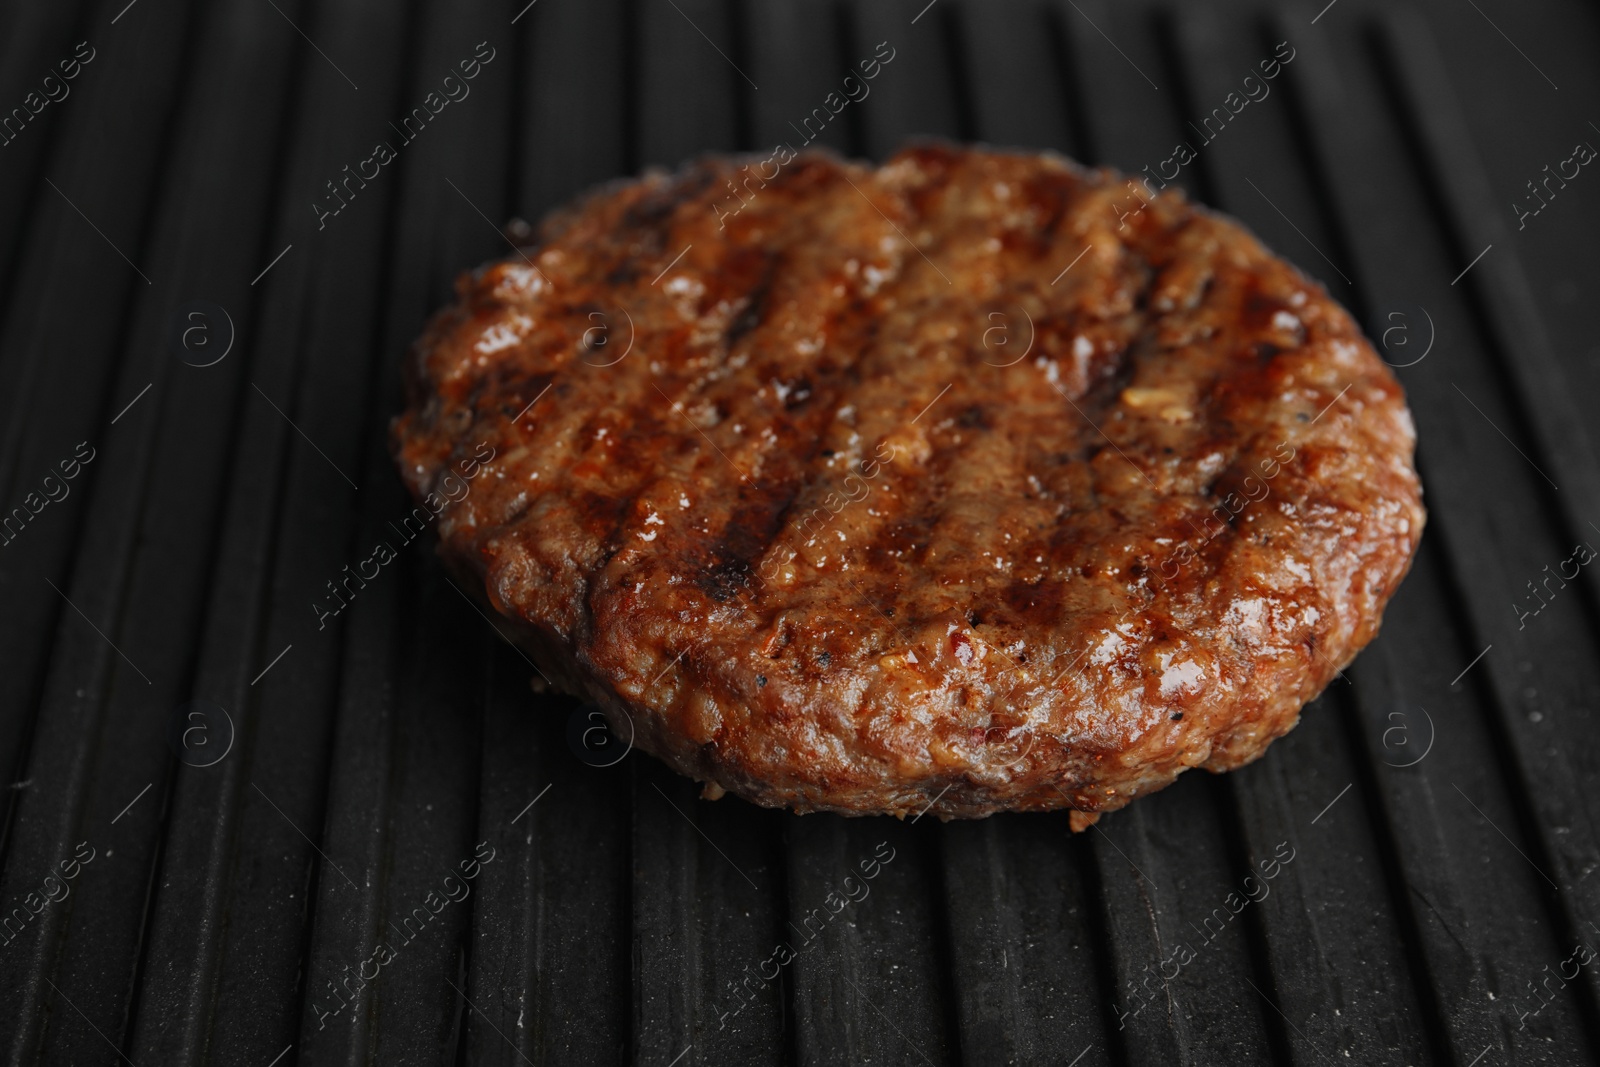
(755, 545)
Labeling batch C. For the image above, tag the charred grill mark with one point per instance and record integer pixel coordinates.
(1050, 195)
(749, 533)
(1038, 604)
(601, 515)
(747, 320)
(723, 580)
(649, 435)
(655, 209)
(627, 271)
(755, 310)
(1258, 308)
(936, 162)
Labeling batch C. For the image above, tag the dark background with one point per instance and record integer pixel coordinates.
(249, 849)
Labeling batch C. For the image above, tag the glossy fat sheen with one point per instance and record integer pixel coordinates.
(867, 502)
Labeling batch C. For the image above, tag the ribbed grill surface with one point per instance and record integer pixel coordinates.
(231, 834)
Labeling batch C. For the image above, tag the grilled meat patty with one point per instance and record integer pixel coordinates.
(974, 482)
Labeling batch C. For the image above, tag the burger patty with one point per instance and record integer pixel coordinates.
(974, 482)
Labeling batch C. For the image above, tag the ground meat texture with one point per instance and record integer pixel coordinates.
(974, 482)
